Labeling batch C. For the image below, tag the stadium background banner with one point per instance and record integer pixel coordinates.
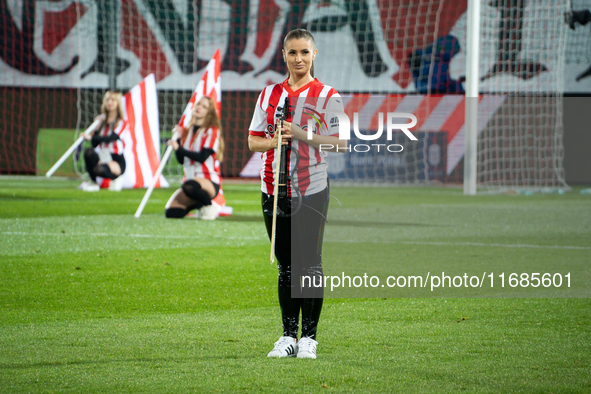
(62, 43)
(66, 53)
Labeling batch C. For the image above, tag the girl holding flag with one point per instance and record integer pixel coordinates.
(200, 150)
(109, 161)
(298, 237)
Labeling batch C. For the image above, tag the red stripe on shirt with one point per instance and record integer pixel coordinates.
(268, 176)
(113, 144)
(274, 101)
(262, 99)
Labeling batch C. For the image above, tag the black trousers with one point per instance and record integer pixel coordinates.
(298, 250)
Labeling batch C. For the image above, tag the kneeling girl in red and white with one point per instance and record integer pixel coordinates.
(200, 150)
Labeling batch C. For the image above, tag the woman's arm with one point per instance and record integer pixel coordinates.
(200, 156)
(97, 139)
(181, 152)
(262, 144)
(176, 143)
(329, 143)
(89, 136)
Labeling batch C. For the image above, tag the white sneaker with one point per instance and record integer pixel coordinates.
(307, 348)
(284, 347)
(116, 184)
(91, 187)
(208, 212)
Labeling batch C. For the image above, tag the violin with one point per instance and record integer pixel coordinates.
(282, 203)
(285, 176)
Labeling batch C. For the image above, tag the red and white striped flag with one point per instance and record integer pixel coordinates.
(209, 85)
(142, 141)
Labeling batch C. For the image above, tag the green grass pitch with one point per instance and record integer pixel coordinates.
(95, 301)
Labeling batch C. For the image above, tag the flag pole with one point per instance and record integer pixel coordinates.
(163, 162)
(214, 68)
(72, 148)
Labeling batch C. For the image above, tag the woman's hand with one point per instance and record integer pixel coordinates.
(88, 136)
(177, 130)
(262, 144)
(330, 143)
(295, 131)
(285, 134)
(175, 145)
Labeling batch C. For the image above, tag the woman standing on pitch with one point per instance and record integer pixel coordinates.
(200, 150)
(299, 237)
(109, 161)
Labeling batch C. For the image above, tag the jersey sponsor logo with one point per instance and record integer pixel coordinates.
(314, 116)
(270, 130)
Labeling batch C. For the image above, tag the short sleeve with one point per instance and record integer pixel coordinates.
(258, 124)
(332, 120)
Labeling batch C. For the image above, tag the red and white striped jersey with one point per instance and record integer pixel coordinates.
(210, 169)
(311, 173)
(116, 146)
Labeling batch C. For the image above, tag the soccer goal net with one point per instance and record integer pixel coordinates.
(57, 58)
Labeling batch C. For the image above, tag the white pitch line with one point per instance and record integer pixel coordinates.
(499, 245)
(123, 235)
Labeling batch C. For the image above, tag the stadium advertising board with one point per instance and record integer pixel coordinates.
(423, 159)
(439, 130)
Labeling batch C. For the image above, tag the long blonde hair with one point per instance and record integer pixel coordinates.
(117, 96)
(210, 120)
(297, 34)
